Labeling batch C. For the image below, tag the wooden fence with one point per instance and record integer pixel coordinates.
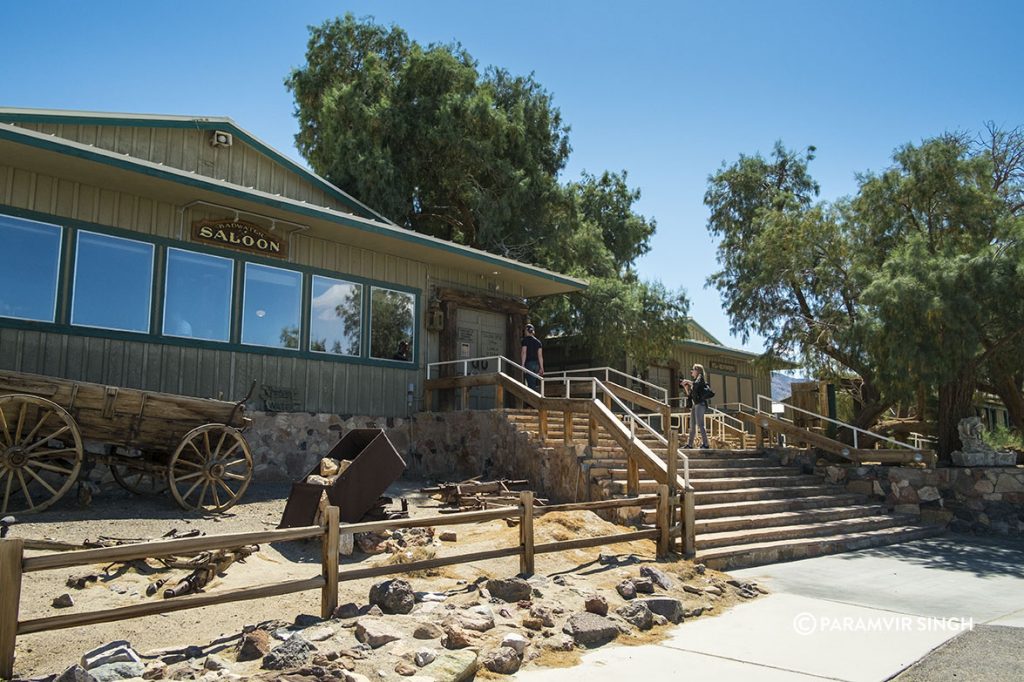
(13, 563)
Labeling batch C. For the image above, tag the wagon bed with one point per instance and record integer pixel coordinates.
(154, 441)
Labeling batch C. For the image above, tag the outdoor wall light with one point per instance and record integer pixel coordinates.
(918, 457)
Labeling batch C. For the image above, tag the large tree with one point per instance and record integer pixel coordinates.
(792, 270)
(425, 136)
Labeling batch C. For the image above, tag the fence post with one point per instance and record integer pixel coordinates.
(664, 520)
(465, 398)
(567, 423)
(11, 552)
(672, 456)
(499, 396)
(688, 525)
(632, 474)
(329, 592)
(526, 532)
(542, 422)
(592, 427)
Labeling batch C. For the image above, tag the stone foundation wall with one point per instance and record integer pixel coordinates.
(978, 500)
(436, 446)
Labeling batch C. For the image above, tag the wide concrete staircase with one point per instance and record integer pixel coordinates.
(750, 510)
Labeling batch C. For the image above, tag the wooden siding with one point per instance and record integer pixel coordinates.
(318, 385)
(190, 150)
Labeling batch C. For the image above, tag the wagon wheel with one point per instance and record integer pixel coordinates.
(40, 453)
(211, 468)
(138, 476)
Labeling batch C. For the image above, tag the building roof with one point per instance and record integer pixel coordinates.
(53, 155)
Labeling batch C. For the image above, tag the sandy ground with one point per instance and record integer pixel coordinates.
(116, 513)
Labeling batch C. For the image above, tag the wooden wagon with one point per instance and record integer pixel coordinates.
(151, 441)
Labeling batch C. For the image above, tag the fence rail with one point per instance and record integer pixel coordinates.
(14, 565)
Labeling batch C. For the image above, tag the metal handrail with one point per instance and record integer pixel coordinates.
(611, 370)
(854, 429)
(595, 384)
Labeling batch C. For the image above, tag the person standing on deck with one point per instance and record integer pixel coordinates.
(532, 357)
(697, 397)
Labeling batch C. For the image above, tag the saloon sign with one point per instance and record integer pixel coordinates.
(240, 235)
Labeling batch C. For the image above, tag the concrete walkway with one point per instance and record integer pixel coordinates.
(861, 616)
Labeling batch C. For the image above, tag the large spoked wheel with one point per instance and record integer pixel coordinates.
(138, 476)
(211, 468)
(40, 453)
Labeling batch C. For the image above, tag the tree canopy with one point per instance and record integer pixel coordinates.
(443, 147)
(913, 285)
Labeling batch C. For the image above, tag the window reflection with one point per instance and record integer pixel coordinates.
(270, 310)
(197, 296)
(335, 316)
(113, 283)
(28, 274)
(391, 324)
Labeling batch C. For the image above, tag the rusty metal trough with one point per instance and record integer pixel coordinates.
(374, 465)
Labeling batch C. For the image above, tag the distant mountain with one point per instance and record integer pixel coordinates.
(780, 385)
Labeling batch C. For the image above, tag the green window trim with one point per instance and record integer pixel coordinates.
(70, 229)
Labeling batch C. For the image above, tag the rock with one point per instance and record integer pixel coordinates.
(121, 670)
(119, 651)
(346, 544)
(637, 614)
(155, 670)
(928, 493)
(455, 636)
(213, 662)
(375, 632)
(427, 631)
(255, 644)
(393, 596)
(560, 643)
(63, 601)
(503, 660)
(374, 611)
(644, 586)
(544, 614)
(448, 536)
(589, 629)
(349, 676)
(669, 607)
(692, 589)
(509, 589)
(700, 568)
(319, 633)
(478, 618)
(657, 576)
(430, 597)
(76, 673)
(693, 613)
(660, 620)
(515, 641)
(714, 589)
(305, 620)
(626, 589)
(424, 656)
(406, 669)
(596, 604)
(532, 623)
(292, 654)
(349, 610)
(453, 666)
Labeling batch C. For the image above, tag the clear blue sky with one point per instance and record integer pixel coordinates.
(665, 90)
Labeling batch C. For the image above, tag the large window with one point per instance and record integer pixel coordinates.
(197, 296)
(392, 317)
(270, 310)
(335, 316)
(113, 283)
(28, 273)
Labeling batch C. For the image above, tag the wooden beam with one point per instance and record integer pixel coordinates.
(567, 427)
(632, 396)
(329, 559)
(664, 522)
(689, 523)
(436, 562)
(632, 475)
(599, 504)
(470, 299)
(11, 552)
(526, 532)
(542, 424)
(549, 547)
(471, 381)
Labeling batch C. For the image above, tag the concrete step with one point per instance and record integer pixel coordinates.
(736, 538)
(769, 506)
(736, 482)
(722, 463)
(743, 472)
(702, 497)
(784, 518)
(743, 556)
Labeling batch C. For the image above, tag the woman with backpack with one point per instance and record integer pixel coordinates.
(697, 395)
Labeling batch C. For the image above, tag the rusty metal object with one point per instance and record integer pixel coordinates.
(373, 465)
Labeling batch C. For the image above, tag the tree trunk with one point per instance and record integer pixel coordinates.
(1008, 388)
(956, 401)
